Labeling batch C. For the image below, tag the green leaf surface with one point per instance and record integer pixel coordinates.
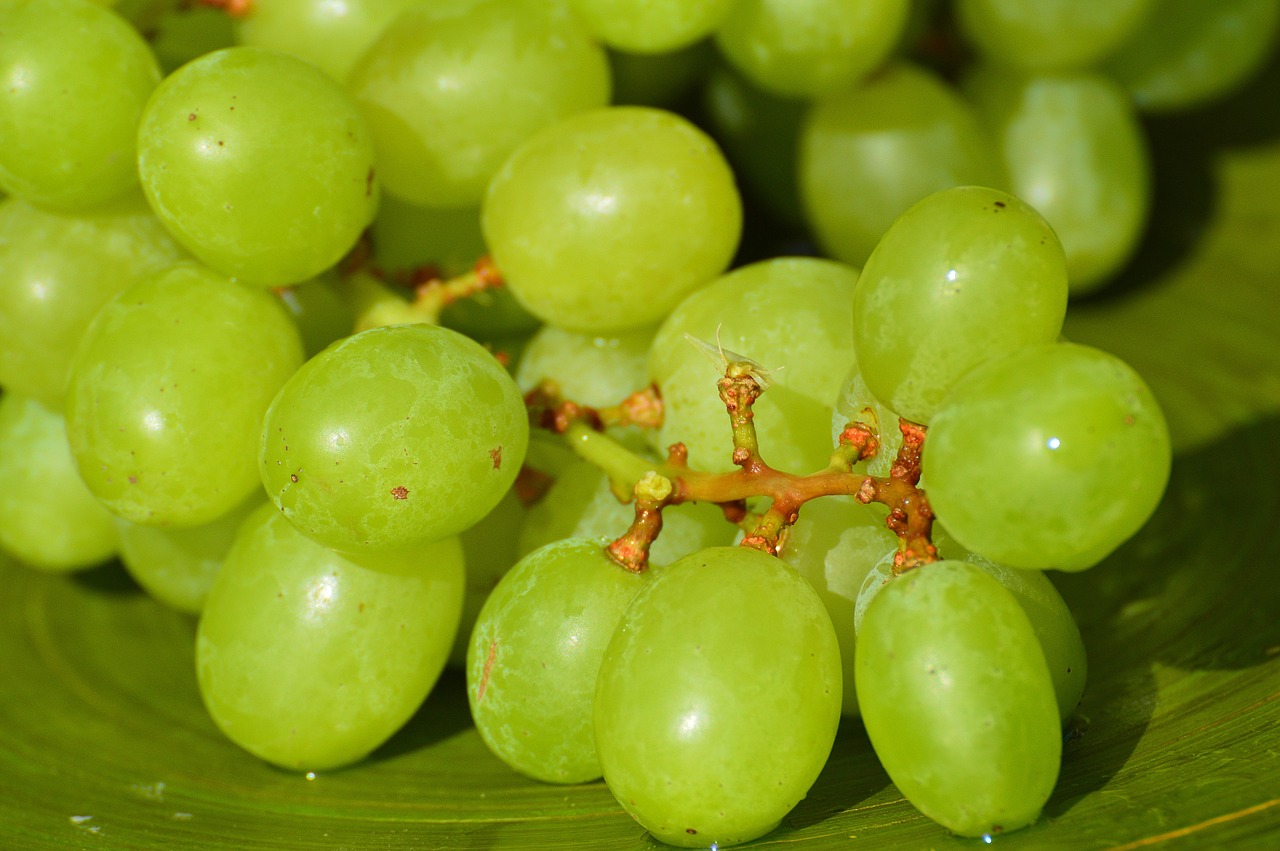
(104, 742)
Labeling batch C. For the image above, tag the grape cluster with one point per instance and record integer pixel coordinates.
(247, 349)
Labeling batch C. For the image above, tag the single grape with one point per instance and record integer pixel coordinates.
(651, 26)
(791, 315)
(450, 90)
(168, 390)
(957, 699)
(48, 518)
(56, 272)
(718, 698)
(810, 48)
(393, 437)
(76, 79)
(869, 153)
(1050, 456)
(535, 653)
(310, 659)
(1051, 35)
(329, 35)
(590, 219)
(591, 369)
(965, 275)
(259, 164)
(1075, 151)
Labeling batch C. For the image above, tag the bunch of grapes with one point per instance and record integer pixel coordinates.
(401, 334)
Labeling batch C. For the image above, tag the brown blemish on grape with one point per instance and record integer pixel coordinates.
(368, 182)
(293, 477)
(133, 480)
(999, 204)
(691, 831)
(191, 116)
(400, 492)
(495, 455)
(488, 669)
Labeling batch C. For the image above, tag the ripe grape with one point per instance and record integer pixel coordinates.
(1052, 35)
(651, 26)
(329, 35)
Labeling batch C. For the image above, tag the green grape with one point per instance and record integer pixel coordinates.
(490, 551)
(259, 164)
(56, 271)
(651, 26)
(310, 659)
(869, 153)
(658, 79)
(791, 315)
(167, 393)
(590, 219)
(1051, 35)
(965, 275)
(758, 130)
(834, 544)
(590, 369)
(1075, 151)
(393, 437)
(810, 48)
(48, 518)
(535, 653)
(319, 310)
(1193, 53)
(329, 35)
(957, 699)
(76, 79)
(581, 505)
(178, 566)
(851, 406)
(718, 698)
(450, 89)
(1050, 456)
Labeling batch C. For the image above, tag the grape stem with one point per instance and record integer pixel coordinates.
(234, 8)
(375, 301)
(632, 476)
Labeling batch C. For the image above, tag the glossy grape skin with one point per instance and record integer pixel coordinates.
(48, 518)
(965, 275)
(56, 271)
(259, 164)
(590, 219)
(810, 48)
(535, 653)
(869, 153)
(168, 390)
(450, 89)
(393, 437)
(653, 26)
(1051, 34)
(718, 698)
(591, 369)
(1075, 151)
(310, 659)
(957, 699)
(69, 125)
(329, 35)
(1050, 456)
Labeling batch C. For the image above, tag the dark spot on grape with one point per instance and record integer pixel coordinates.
(495, 455)
(1000, 204)
(368, 182)
(133, 480)
(221, 143)
(690, 831)
(360, 608)
(191, 116)
(1068, 670)
(293, 477)
(400, 492)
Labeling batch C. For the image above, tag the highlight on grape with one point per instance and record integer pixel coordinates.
(690, 374)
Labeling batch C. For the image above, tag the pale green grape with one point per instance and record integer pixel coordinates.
(329, 35)
(957, 699)
(718, 698)
(1075, 151)
(792, 316)
(651, 26)
(658, 79)
(851, 405)
(834, 544)
(591, 220)
(167, 393)
(1050, 456)
(1192, 53)
(535, 653)
(1051, 34)
(259, 164)
(76, 77)
(450, 89)
(590, 369)
(319, 310)
(48, 518)
(393, 437)
(178, 566)
(869, 153)
(581, 505)
(310, 659)
(56, 271)
(490, 550)
(810, 48)
(965, 275)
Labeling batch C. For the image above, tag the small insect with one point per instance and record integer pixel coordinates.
(723, 359)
